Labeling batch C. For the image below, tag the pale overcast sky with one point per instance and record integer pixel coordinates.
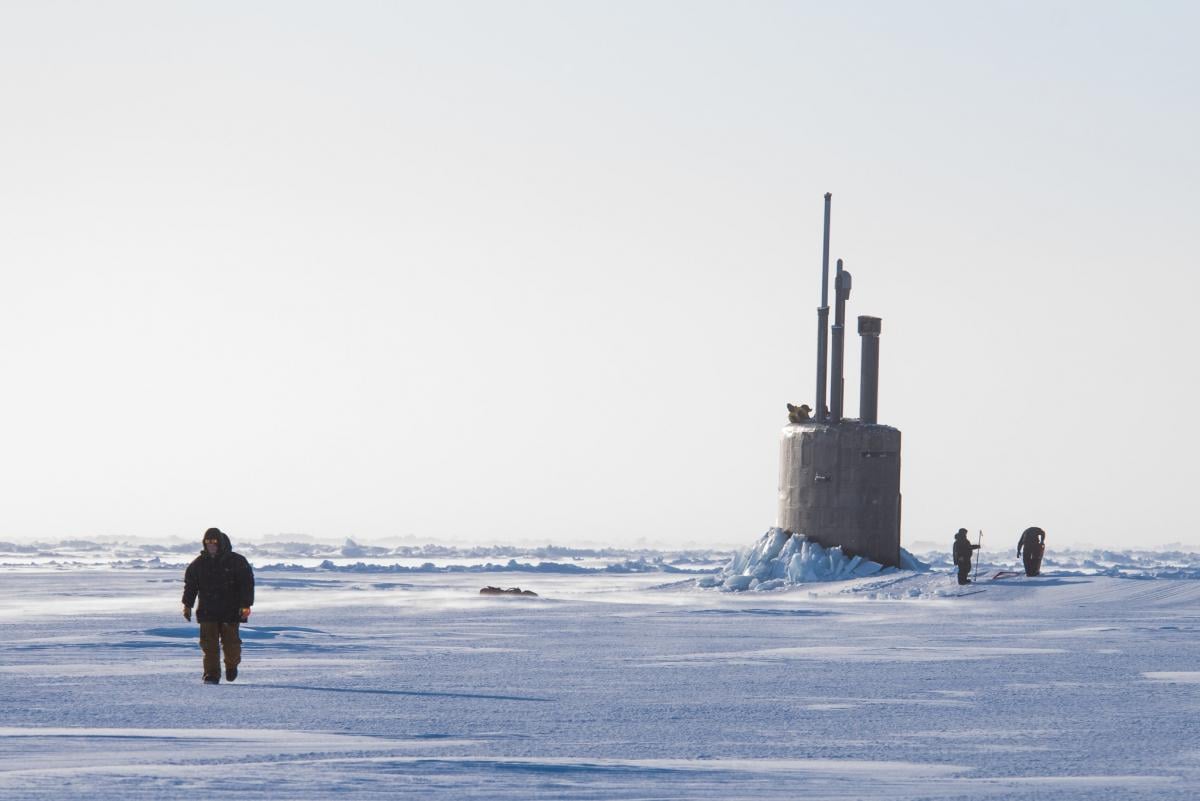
(547, 271)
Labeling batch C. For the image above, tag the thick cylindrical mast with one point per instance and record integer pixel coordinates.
(869, 329)
(822, 407)
(841, 292)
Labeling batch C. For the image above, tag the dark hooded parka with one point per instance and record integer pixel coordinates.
(1031, 547)
(962, 555)
(224, 583)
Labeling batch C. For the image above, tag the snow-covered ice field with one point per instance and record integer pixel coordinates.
(370, 683)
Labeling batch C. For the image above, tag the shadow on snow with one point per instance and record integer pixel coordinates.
(396, 692)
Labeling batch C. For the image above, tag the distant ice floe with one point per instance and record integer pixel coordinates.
(1131, 564)
(351, 557)
(780, 559)
(774, 561)
(511, 566)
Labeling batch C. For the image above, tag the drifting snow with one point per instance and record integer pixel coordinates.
(780, 559)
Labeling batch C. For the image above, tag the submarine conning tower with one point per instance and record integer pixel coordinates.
(839, 479)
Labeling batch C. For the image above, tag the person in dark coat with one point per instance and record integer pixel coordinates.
(962, 555)
(224, 583)
(1033, 543)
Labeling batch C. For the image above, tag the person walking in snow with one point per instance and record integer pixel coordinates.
(224, 583)
(1033, 543)
(962, 555)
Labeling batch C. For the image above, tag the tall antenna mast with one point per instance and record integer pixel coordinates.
(823, 322)
(837, 390)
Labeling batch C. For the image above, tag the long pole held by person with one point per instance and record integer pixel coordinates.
(979, 548)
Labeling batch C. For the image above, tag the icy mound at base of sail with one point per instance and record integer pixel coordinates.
(781, 559)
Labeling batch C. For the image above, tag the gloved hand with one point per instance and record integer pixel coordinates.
(187, 613)
(245, 613)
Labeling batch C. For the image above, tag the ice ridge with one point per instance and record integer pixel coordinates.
(780, 559)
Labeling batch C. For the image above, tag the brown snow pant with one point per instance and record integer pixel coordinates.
(213, 637)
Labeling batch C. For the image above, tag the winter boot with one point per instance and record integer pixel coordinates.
(230, 673)
(212, 679)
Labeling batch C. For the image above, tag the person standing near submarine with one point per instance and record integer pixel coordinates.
(962, 555)
(1033, 544)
